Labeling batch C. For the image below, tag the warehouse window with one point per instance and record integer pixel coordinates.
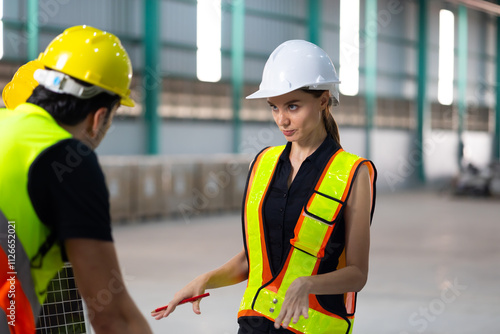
(208, 40)
(446, 56)
(394, 113)
(349, 47)
(443, 117)
(477, 118)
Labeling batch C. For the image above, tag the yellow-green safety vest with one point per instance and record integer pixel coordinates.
(25, 132)
(265, 294)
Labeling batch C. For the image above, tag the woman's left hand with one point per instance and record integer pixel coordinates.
(296, 303)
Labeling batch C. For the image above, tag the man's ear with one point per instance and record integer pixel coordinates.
(96, 121)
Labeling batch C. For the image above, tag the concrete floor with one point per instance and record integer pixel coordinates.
(434, 267)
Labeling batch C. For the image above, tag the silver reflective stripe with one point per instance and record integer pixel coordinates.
(4, 325)
(22, 266)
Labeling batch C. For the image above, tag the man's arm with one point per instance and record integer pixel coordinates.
(99, 280)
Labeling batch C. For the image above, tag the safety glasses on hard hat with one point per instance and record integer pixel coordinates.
(61, 83)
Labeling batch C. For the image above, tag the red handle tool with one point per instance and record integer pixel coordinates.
(187, 300)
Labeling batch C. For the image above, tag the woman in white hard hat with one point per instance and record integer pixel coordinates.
(307, 210)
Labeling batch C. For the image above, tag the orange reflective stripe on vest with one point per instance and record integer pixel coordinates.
(18, 300)
(265, 294)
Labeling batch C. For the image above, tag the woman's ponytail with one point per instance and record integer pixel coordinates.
(331, 126)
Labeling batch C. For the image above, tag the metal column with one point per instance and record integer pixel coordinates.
(462, 79)
(315, 21)
(32, 29)
(369, 39)
(237, 68)
(151, 74)
(422, 86)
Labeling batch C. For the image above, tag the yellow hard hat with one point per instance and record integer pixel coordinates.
(93, 56)
(19, 89)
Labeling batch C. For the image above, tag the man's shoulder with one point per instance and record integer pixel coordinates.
(66, 157)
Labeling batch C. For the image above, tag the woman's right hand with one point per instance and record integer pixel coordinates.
(194, 288)
(232, 272)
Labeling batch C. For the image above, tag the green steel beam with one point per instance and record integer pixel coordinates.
(237, 68)
(151, 75)
(275, 16)
(496, 136)
(421, 87)
(462, 79)
(33, 29)
(369, 39)
(315, 21)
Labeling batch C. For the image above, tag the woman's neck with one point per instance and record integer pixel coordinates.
(301, 150)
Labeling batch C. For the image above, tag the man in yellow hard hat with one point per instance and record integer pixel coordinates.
(54, 204)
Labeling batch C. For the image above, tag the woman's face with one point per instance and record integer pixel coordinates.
(298, 115)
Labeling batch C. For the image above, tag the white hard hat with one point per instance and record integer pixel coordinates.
(297, 64)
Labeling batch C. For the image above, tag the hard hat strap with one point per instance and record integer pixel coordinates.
(61, 83)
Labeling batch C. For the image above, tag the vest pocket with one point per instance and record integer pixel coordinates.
(323, 208)
(315, 227)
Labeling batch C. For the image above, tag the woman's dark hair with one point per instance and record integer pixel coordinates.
(68, 109)
(330, 124)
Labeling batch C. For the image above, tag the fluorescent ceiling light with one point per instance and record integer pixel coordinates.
(446, 56)
(208, 40)
(349, 47)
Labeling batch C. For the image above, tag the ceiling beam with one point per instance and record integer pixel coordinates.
(485, 6)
